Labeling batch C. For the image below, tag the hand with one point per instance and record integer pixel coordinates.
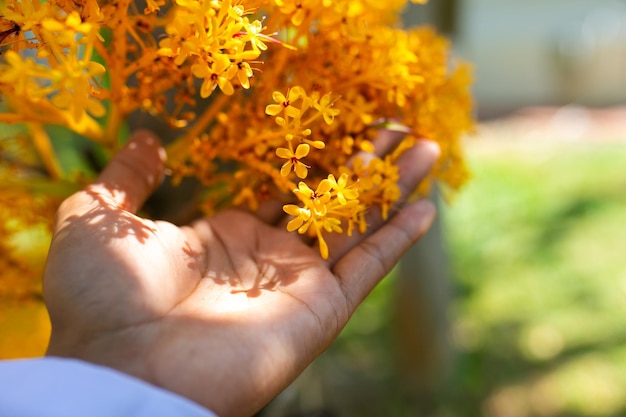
(226, 311)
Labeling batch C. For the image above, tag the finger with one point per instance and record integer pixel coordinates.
(385, 142)
(133, 173)
(361, 268)
(414, 165)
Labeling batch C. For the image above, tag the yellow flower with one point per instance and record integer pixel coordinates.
(302, 216)
(313, 217)
(244, 72)
(294, 162)
(317, 201)
(341, 188)
(73, 84)
(26, 15)
(253, 34)
(286, 103)
(153, 6)
(65, 33)
(219, 72)
(325, 107)
(20, 75)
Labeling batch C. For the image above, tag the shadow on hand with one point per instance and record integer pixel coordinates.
(275, 266)
(274, 274)
(251, 257)
(107, 222)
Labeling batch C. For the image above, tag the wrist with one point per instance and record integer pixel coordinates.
(119, 351)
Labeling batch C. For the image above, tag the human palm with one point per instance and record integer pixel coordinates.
(226, 311)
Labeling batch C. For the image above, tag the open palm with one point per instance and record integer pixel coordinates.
(226, 311)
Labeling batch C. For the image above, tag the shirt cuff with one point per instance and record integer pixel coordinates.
(59, 387)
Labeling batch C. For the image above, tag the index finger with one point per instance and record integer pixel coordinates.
(134, 173)
(126, 182)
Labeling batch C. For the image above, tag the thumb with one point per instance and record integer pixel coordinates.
(133, 173)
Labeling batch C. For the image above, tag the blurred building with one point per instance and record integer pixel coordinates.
(543, 52)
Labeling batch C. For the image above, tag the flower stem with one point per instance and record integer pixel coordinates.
(180, 144)
(45, 150)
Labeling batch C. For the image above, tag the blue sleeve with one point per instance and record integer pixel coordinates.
(57, 387)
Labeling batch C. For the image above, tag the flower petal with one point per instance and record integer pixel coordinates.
(302, 150)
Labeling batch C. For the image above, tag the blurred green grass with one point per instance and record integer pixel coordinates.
(537, 245)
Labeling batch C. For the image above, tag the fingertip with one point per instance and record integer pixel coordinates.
(145, 155)
(429, 149)
(420, 215)
(134, 172)
(147, 138)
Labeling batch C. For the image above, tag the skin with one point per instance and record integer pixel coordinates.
(226, 311)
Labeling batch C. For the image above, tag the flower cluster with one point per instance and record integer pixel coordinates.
(263, 99)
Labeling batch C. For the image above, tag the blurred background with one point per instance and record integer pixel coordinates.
(514, 305)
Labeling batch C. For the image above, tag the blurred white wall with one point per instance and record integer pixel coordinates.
(535, 52)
